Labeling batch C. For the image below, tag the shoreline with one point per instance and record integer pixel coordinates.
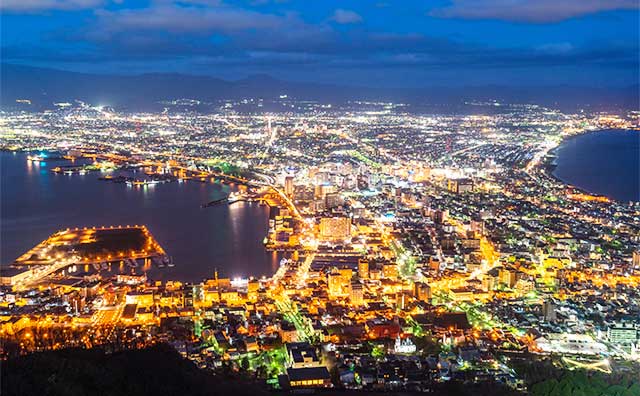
(548, 163)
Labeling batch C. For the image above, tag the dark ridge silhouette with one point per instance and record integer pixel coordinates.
(143, 92)
(161, 371)
(156, 371)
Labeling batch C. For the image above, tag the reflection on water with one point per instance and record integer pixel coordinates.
(36, 202)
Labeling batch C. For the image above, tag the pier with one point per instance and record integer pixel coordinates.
(263, 197)
(98, 246)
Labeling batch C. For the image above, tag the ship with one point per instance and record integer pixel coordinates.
(142, 182)
(169, 261)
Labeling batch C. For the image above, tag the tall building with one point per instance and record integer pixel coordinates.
(318, 205)
(333, 200)
(347, 273)
(288, 186)
(460, 186)
(439, 216)
(321, 190)
(337, 284)
(358, 210)
(363, 268)
(356, 294)
(549, 311)
(390, 270)
(322, 177)
(422, 291)
(508, 277)
(402, 299)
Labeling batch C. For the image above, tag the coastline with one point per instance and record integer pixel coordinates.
(548, 163)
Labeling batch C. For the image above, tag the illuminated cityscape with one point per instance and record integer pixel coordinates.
(406, 266)
(336, 197)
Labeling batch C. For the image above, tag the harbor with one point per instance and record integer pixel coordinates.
(197, 240)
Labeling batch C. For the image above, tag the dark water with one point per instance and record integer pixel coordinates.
(604, 162)
(35, 203)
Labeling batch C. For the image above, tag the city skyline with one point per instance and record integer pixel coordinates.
(278, 197)
(360, 246)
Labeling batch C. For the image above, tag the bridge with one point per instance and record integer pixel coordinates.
(266, 196)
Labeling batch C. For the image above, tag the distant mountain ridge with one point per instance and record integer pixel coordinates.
(45, 86)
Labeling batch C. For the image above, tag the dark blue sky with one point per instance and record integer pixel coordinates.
(376, 43)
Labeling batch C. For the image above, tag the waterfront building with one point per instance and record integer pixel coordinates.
(11, 276)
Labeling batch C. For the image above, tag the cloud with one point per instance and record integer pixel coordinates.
(345, 17)
(175, 18)
(557, 48)
(531, 11)
(212, 32)
(326, 48)
(189, 28)
(33, 6)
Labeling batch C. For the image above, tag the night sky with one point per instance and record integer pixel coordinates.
(403, 43)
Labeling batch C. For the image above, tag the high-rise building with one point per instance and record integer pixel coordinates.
(363, 268)
(508, 277)
(337, 284)
(347, 273)
(288, 186)
(358, 210)
(333, 200)
(321, 190)
(439, 216)
(401, 300)
(390, 270)
(318, 205)
(322, 177)
(422, 291)
(549, 311)
(356, 294)
(460, 186)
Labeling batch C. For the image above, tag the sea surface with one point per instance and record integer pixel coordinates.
(35, 202)
(603, 162)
